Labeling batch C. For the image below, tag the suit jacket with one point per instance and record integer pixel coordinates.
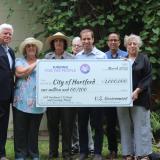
(142, 78)
(6, 75)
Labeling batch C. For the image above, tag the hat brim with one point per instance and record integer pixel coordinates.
(53, 37)
(35, 42)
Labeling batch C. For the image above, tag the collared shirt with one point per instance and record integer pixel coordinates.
(6, 48)
(119, 54)
(94, 54)
(66, 55)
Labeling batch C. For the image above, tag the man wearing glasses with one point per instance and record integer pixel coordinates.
(76, 45)
(110, 113)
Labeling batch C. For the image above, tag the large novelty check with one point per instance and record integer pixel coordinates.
(84, 83)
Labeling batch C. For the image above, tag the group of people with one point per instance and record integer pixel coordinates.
(18, 89)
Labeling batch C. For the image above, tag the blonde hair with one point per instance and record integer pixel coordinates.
(131, 37)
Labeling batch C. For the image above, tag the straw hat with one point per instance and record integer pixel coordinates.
(58, 35)
(31, 40)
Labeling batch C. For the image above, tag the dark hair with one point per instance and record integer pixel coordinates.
(87, 30)
(115, 34)
(53, 48)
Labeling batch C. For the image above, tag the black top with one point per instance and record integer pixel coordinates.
(142, 78)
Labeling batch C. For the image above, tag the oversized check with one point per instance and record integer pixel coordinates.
(84, 83)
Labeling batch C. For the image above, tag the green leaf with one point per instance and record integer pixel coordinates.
(149, 49)
(115, 2)
(110, 17)
(135, 5)
(153, 59)
(156, 30)
(69, 13)
(101, 22)
(63, 4)
(121, 27)
(158, 13)
(93, 24)
(112, 29)
(154, 39)
(57, 10)
(122, 7)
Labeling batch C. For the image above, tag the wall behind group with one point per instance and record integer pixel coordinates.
(24, 24)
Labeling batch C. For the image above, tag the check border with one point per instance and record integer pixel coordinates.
(73, 61)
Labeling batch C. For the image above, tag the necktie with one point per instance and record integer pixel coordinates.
(9, 56)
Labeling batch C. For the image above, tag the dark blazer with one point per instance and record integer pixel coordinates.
(142, 78)
(6, 75)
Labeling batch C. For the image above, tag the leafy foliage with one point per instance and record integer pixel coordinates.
(124, 17)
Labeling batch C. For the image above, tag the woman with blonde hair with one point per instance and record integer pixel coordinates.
(136, 137)
(26, 115)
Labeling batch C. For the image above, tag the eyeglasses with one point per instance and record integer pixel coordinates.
(76, 45)
(113, 40)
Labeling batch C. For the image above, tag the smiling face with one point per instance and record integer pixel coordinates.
(76, 46)
(132, 47)
(87, 41)
(113, 42)
(31, 50)
(6, 36)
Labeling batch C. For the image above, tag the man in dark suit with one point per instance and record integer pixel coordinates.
(7, 62)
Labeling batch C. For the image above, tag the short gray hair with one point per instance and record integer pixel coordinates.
(6, 26)
(76, 39)
(137, 38)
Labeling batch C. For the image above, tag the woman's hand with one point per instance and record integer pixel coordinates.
(25, 71)
(135, 94)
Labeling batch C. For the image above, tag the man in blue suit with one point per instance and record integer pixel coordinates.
(7, 63)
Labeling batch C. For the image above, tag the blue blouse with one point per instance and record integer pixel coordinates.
(25, 91)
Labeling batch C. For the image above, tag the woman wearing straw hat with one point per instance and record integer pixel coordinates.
(26, 116)
(58, 44)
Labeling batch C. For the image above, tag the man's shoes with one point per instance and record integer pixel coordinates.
(67, 158)
(97, 157)
(83, 156)
(74, 151)
(4, 158)
(91, 152)
(112, 155)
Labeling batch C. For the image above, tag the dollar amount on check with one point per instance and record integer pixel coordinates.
(84, 83)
